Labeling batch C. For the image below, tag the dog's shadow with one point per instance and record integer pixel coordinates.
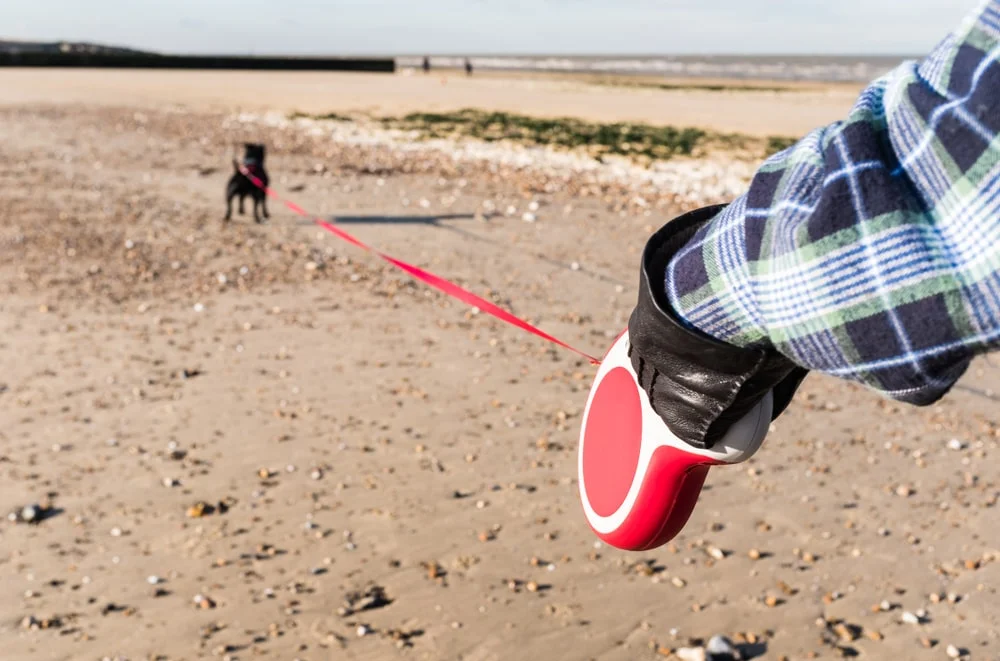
(436, 222)
(432, 221)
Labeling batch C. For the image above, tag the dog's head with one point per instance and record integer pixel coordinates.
(253, 153)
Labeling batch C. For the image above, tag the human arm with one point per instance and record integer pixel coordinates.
(870, 250)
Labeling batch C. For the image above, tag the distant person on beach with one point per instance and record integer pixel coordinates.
(427, 65)
(468, 67)
(869, 251)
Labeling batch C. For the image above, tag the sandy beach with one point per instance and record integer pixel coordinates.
(759, 113)
(257, 442)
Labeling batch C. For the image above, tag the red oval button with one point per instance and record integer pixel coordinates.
(612, 441)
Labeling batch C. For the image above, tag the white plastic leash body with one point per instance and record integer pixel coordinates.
(636, 477)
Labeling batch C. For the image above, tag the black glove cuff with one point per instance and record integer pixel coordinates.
(697, 384)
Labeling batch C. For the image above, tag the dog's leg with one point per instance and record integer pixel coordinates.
(242, 211)
(229, 207)
(263, 203)
(256, 210)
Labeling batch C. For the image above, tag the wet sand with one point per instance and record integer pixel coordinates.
(758, 113)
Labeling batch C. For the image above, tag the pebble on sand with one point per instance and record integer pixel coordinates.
(203, 602)
(32, 513)
(33, 623)
(198, 510)
(720, 648)
(691, 654)
(716, 553)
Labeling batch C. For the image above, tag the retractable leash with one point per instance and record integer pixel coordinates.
(638, 482)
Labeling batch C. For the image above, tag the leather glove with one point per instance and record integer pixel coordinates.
(698, 385)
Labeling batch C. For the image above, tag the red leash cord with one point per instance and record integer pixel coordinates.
(428, 278)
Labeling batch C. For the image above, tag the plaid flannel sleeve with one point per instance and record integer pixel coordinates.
(870, 250)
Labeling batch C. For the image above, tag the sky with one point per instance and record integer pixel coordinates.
(416, 27)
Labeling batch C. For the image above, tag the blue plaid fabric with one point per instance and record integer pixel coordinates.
(870, 250)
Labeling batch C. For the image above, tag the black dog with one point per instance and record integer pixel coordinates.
(239, 184)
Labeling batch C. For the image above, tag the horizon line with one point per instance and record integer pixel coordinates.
(522, 54)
